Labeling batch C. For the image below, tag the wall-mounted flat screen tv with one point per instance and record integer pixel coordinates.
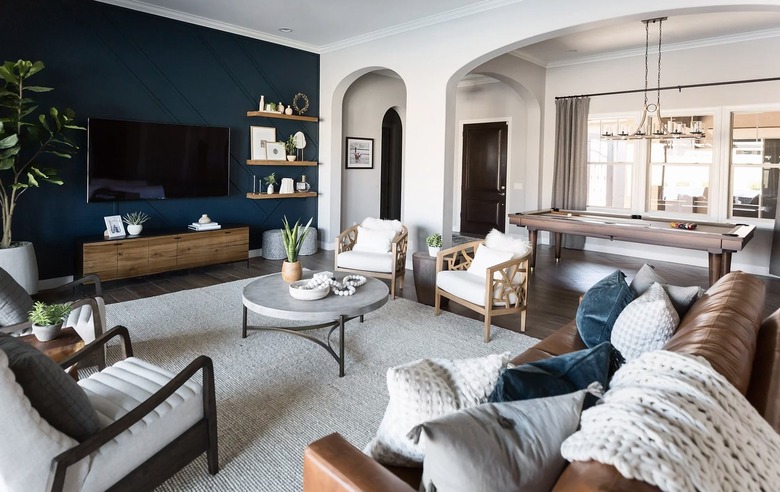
(130, 160)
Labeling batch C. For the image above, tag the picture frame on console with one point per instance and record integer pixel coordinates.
(360, 153)
(259, 138)
(114, 226)
(275, 151)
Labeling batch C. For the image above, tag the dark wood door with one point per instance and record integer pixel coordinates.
(483, 188)
(390, 190)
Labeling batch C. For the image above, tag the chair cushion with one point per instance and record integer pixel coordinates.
(15, 302)
(382, 224)
(500, 446)
(50, 390)
(470, 287)
(120, 388)
(370, 262)
(486, 257)
(426, 389)
(371, 241)
(556, 375)
(600, 307)
(646, 324)
(29, 442)
(682, 297)
(506, 242)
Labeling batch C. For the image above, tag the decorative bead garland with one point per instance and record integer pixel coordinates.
(295, 103)
(346, 287)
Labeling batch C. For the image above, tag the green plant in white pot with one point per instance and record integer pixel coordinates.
(28, 142)
(47, 319)
(434, 243)
(292, 239)
(135, 222)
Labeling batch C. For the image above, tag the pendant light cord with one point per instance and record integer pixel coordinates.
(647, 45)
(658, 94)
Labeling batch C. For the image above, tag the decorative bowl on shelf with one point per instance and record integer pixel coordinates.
(302, 294)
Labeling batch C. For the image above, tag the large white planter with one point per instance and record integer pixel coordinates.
(20, 263)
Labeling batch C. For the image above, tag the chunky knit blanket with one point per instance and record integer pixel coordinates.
(672, 421)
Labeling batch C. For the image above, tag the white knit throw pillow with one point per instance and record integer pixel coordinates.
(424, 390)
(646, 324)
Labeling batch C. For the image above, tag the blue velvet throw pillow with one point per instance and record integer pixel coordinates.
(600, 307)
(558, 375)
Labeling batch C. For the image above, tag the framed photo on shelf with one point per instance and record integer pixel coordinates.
(259, 137)
(360, 153)
(114, 226)
(275, 151)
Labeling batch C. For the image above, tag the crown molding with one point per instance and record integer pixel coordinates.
(210, 23)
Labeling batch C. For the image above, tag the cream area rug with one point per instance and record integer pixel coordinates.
(276, 393)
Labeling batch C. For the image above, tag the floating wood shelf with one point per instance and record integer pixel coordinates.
(266, 114)
(272, 196)
(260, 162)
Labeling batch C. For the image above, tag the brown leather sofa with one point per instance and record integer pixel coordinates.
(724, 326)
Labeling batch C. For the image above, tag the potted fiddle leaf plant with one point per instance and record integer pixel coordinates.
(29, 142)
(292, 239)
(289, 146)
(47, 319)
(434, 243)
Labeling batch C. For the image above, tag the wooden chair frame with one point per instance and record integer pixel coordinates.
(460, 257)
(346, 241)
(201, 437)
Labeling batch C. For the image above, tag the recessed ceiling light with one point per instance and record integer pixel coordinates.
(285, 29)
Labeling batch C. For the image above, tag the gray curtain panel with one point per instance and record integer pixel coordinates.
(774, 255)
(570, 183)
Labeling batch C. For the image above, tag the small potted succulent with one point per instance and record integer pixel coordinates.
(47, 319)
(434, 243)
(292, 239)
(135, 221)
(270, 180)
(289, 146)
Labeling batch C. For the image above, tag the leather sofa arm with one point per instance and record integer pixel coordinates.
(332, 464)
(592, 476)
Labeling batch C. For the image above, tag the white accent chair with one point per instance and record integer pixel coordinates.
(151, 424)
(376, 248)
(492, 282)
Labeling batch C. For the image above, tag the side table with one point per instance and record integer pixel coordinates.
(59, 349)
(424, 266)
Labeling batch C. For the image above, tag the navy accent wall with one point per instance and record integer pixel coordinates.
(110, 62)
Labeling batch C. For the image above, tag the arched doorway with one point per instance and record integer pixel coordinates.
(392, 145)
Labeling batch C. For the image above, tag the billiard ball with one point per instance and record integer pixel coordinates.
(568, 215)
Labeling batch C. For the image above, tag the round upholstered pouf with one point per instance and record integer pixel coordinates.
(273, 248)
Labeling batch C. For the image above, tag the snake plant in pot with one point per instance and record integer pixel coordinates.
(28, 144)
(292, 239)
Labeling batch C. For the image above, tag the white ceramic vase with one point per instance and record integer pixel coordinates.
(134, 229)
(433, 250)
(270, 189)
(20, 262)
(291, 158)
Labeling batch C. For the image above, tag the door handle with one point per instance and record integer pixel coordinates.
(502, 194)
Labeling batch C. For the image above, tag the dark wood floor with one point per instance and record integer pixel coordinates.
(554, 288)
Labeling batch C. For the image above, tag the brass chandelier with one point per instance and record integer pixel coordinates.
(651, 125)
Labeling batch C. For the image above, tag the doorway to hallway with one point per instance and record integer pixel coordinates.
(483, 185)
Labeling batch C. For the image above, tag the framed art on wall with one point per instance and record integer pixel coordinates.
(360, 153)
(114, 226)
(259, 136)
(275, 151)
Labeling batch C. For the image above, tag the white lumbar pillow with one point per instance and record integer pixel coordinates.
(646, 324)
(373, 241)
(506, 242)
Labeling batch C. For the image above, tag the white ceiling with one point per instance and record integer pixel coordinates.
(320, 26)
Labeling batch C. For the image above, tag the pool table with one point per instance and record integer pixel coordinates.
(719, 240)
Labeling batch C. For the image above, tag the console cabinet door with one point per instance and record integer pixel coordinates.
(236, 245)
(100, 258)
(133, 257)
(189, 250)
(162, 254)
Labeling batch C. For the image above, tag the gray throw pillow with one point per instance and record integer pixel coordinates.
(511, 446)
(682, 297)
(54, 394)
(15, 302)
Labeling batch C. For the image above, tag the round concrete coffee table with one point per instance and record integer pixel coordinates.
(270, 296)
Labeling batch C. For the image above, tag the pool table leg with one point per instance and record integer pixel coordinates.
(558, 241)
(720, 265)
(532, 235)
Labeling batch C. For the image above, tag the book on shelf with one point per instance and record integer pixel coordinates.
(195, 226)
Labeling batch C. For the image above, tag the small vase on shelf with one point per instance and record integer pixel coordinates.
(291, 158)
(270, 189)
(288, 110)
(302, 185)
(204, 219)
(262, 103)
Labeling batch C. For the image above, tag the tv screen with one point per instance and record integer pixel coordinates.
(130, 160)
